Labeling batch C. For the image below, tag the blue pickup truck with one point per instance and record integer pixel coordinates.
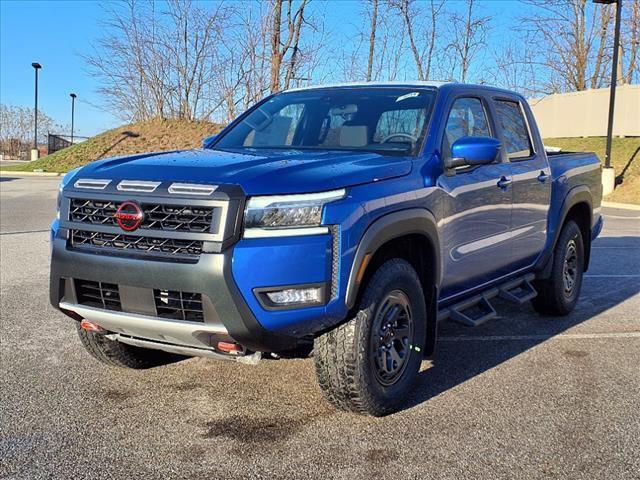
(343, 221)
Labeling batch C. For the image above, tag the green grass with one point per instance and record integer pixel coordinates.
(150, 136)
(622, 160)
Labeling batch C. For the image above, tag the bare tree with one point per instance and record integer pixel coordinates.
(160, 59)
(572, 38)
(405, 8)
(16, 129)
(190, 52)
(280, 45)
(372, 38)
(631, 41)
(420, 35)
(514, 69)
(468, 39)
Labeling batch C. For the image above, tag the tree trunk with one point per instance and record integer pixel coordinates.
(372, 38)
(276, 57)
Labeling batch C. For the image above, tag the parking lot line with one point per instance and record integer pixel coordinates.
(610, 276)
(558, 336)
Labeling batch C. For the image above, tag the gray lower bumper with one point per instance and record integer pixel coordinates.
(225, 310)
(152, 328)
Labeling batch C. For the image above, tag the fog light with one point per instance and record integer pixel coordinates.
(292, 296)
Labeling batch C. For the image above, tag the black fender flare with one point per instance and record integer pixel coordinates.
(394, 225)
(578, 194)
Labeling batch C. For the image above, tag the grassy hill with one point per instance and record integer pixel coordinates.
(625, 159)
(149, 136)
(157, 135)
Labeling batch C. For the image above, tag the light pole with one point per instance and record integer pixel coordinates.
(73, 106)
(608, 174)
(34, 153)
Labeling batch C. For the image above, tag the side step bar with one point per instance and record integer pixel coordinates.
(477, 310)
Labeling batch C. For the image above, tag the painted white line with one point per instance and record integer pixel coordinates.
(621, 217)
(626, 206)
(611, 276)
(569, 336)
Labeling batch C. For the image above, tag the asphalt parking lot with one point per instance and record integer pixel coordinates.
(520, 397)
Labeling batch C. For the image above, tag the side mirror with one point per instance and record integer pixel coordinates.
(208, 141)
(470, 151)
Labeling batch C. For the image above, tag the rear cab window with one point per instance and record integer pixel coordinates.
(515, 132)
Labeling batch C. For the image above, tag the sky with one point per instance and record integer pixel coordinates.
(57, 34)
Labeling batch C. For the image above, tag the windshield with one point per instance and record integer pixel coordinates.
(384, 120)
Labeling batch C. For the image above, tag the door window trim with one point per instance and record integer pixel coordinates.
(534, 153)
(492, 129)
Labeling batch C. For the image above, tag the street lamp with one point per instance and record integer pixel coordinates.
(73, 105)
(34, 153)
(608, 174)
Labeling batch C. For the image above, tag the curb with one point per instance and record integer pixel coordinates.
(8, 173)
(625, 206)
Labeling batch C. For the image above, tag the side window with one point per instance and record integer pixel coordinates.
(514, 129)
(278, 129)
(467, 118)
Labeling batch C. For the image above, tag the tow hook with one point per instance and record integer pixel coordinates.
(91, 327)
(240, 353)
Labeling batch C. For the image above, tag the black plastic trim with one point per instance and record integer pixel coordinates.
(388, 227)
(579, 194)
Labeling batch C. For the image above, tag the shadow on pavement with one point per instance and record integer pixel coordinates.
(460, 359)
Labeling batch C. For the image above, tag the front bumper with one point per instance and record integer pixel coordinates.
(225, 312)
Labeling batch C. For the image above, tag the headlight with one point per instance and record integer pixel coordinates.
(287, 211)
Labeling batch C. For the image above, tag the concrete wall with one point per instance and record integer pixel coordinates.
(584, 114)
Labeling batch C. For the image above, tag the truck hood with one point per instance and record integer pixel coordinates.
(257, 172)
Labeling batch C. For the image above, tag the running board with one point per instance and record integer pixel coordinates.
(518, 291)
(478, 309)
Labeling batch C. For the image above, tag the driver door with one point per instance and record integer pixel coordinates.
(477, 210)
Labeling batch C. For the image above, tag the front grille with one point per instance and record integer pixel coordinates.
(182, 218)
(120, 243)
(98, 294)
(179, 305)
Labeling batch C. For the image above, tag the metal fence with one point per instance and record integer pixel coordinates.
(57, 142)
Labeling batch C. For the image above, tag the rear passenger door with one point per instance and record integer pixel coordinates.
(531, 179)
(477, 210)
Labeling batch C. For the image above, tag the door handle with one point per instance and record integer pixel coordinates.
(504, 182)
(543, 177)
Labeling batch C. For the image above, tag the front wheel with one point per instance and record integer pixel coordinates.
(368, 364)
(558, 294)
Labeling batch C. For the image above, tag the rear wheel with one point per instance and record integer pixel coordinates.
(559, 294)
(118, 354)
(368, 364)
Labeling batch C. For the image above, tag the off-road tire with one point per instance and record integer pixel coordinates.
(117, 354)
(345, 359)
(553, 297)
